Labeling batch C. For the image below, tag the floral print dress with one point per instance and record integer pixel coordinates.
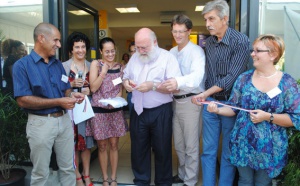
(107, 125)
(262, 145)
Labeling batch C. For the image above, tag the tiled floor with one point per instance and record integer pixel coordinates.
(124, 172)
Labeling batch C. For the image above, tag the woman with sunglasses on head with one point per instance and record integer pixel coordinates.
(259, 140)
(109, 123)
(77, 69)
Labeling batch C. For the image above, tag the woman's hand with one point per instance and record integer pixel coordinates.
(257, 116)
(77, 82)
(86, 91)
(104, 68)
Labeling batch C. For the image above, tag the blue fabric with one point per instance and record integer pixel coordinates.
(250, 177)
(263, 145)
(213, 125)
(33, 77)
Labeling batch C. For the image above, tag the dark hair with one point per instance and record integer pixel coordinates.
(77, 37)
(105, 40)
(131, 44)
(182, 19)
(8, 45)
(125, 54)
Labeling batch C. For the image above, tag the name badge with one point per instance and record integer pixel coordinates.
(117, 81)
(274, 92)
(64, 78)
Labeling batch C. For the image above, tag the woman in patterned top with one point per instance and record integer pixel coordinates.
(76, 66)
(109, 123)
(259, 140)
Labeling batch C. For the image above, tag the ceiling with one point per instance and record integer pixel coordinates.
(123, 26)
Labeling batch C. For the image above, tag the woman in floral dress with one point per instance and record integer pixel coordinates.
(109, 123)
(259, 140)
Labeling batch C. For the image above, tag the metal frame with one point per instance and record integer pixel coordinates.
(56, 13)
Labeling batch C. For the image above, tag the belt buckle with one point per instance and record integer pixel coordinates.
(184, 96)
(57, 114)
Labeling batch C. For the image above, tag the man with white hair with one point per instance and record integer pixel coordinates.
(151, 119)
(227, 56)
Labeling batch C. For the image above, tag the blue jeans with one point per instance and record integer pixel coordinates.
(251, 177)
(213, 125)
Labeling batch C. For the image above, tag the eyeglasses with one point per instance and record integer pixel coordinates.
(258, 51)
(178, 31)
(109, 52)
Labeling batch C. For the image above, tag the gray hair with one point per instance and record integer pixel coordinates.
(153, 36)
(219, 5)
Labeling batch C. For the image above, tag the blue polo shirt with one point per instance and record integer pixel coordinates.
(33, 77)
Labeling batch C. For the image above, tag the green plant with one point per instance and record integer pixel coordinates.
(291, 173)
(14, 147)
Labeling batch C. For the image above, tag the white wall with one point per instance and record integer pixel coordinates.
(17, 31)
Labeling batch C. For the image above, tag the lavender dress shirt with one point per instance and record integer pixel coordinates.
(164, 67)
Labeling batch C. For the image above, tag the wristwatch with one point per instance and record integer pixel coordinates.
(154, 86)
(271, 118)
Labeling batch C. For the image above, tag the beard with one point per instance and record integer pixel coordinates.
(149, 56)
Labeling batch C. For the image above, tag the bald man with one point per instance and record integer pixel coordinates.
(42, 88)
(151, 118)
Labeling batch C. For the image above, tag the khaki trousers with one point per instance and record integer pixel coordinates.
(44, 132)
(187, 125)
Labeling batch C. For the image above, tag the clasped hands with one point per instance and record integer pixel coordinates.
(130, 85)
(170, 85)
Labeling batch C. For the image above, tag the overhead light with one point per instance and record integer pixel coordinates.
(199, 8)
(79, 12)
(127, 9)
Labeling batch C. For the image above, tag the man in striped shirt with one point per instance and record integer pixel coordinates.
(227, 54)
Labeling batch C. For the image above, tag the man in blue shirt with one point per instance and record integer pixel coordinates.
(42, 88)
(227, 54)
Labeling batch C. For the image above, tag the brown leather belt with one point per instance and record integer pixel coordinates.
(54, 114)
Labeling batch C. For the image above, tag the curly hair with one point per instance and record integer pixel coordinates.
(77, 37)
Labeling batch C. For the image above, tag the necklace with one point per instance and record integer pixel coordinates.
(75, 66)
(268, 76)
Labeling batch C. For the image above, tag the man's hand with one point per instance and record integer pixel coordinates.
(145, 87)
(198, 98)
(68, 103)
(78, 96)
(213, 107)
(129, 85)
(170, 84)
